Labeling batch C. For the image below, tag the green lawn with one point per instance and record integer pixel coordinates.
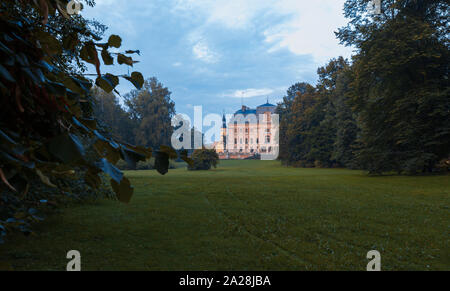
(250, 215)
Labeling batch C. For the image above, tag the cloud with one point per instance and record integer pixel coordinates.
(303, 27)
(177, 64)
(202, 52)
(310, 30)
(234, 14)
(249, 93)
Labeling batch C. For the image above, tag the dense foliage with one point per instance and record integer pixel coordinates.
(48, 130)
(204, 159)
(387, 110)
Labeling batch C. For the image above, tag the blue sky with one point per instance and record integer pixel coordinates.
(215, 53)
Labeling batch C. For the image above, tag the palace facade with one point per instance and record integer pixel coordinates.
(249, 132)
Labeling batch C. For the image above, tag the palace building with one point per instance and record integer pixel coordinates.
(248, 133)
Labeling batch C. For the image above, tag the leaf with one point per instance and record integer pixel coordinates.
(8, 139)
(61, 10)
(162, 162)
(97, 63)
(67, 148)
(6, 49)
(45, 179)
(136, 79)
(6, 75)
(89, 122)
(44, 10)
(55, 88)
(18, 99)
(2, 176)
(115, 41)
(133, 52)
(43, 64)
(107, 58)
(106, 150)
(147, 152)
(123, 59)
(48, 42)
(70, 41)
(107, 82)
(123, 190)
(89, 53)
(79, 124)
(171, 153)
(109, 169)
(83, 84)
(131, 156)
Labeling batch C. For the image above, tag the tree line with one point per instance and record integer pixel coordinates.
(388, 108)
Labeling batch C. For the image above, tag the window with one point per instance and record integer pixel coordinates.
(246, 141)
(257, 141)
(235, 141)
(251, 140)
(241, 141)
(267, 139)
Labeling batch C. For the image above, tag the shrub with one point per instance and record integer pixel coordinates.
(204, 159)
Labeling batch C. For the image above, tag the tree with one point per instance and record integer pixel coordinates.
(309, 122)
(297, 126)
(113, 119)
(339, 125)
(152, 110)
(347, 129)
(284, 109)
(400, 88)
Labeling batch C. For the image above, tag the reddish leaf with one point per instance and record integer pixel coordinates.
(44, 10)
(18, 99)
(3, 177)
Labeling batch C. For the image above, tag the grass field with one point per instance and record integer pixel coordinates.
(251, 215)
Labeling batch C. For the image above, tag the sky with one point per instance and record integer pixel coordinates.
(220, 53)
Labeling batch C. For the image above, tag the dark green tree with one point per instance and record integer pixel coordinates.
(152, 110)
(284, 109)
(297, 127)
(400, 88)
(347, 129)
